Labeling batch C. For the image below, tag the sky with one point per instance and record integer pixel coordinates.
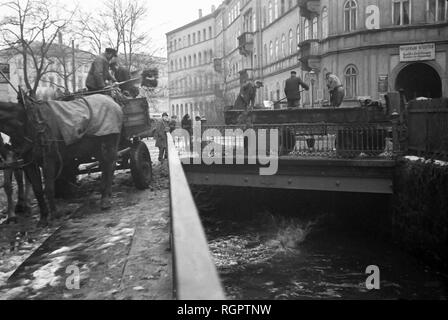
(163, 15)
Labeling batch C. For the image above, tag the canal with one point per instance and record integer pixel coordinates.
(307, 245)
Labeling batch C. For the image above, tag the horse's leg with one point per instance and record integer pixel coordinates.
(109, 151)
(32, 172)
(23, 203)
(49, 176)
(7, 176)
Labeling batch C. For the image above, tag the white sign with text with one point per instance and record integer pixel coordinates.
(418, 52)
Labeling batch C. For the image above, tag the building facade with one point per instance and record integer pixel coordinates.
(191, 72)
(373, 46)
(60, 76)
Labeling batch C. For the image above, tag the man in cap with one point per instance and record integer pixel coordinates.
(99, 71)
(247, 95)
(292, 90)
(337, 92)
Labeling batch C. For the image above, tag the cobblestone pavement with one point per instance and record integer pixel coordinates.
(123, 253)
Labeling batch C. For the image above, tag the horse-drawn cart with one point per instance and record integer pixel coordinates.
(133, 152)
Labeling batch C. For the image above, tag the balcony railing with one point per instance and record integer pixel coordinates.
(246, 43)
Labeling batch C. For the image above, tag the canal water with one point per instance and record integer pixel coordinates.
(296, 245)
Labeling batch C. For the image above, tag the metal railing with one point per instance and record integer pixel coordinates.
(195, 275)
(316, 140)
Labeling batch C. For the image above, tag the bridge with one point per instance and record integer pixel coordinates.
(323, 157)
(319, 157)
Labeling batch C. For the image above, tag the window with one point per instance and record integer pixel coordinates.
(283, 45)
(314, 32)
(276, 49)
(350, 12)
(401, 12)
(204, 32)
(194, 60)
(265, 54)
(306, 30)
(205, 57)
(194, 38)
(189, 61)
(324, 22)
(185, 62)
(290, 40)
(199, 36)
(282, 7)
(437, 10)
(275, 9)
(271, 52)
(200, 58)
(189, 40)
(270, 12)
(210, 34)
(298, 34)
(351, 82)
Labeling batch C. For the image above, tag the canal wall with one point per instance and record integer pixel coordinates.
(419, 218)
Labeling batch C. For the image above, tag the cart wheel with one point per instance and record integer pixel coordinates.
(141, 166)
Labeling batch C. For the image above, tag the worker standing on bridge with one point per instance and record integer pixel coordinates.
(292, 90)
(337, 92)
(248, 93)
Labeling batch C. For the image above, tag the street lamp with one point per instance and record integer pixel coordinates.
(313, 77)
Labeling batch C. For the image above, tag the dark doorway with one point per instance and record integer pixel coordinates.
(419, 80)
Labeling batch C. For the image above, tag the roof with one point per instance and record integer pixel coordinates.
(197, 21)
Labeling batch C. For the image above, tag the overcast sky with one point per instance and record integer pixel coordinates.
(164, 15)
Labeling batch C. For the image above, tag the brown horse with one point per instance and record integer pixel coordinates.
(39, 143)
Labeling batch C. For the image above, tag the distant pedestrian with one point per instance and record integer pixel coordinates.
(187, 125)
(292, 90)
(162, 129)
(173, 124)
(336, 89)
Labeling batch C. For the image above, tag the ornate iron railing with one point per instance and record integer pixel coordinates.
(383, 140)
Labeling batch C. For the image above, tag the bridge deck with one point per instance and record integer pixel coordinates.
(320, 174)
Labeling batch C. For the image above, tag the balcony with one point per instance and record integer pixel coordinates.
(309, 54)
(246, 43)
(217, 64)
(309, 8)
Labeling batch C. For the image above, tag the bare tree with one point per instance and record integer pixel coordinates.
(30, 31)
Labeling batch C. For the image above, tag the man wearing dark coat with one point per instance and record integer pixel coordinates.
(292, 90)
(247, 95)
(99, 71)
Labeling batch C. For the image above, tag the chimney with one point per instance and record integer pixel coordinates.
(213, 8)
(200, 13)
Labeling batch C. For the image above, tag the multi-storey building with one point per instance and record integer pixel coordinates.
(373, 46)
(60, 75)
(191, 73)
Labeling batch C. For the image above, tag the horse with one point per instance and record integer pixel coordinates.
(37, 135)
(24, 187)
